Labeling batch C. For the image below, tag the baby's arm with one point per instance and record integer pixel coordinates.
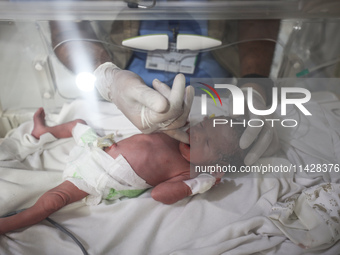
(177, 188)
(52, 201)
(171, 191)
(59, 131)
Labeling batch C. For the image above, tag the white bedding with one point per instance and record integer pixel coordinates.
(231, 218)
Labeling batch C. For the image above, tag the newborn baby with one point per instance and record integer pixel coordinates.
(130, 166)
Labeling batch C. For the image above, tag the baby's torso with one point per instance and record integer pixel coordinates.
(154, 157)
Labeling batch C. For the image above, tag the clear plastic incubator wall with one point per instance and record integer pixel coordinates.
(32, 76)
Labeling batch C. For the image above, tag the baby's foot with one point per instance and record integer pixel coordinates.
(39, 123)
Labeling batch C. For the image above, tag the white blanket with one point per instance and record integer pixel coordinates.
(232, 218)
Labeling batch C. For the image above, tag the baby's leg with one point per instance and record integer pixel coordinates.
(39, 123)
(52, 201)
(59, 131)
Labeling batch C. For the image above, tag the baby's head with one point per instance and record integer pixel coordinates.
(211, 145)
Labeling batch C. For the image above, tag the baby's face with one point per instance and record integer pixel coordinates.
(205, 142)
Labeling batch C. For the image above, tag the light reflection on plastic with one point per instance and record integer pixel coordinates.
(85, 81)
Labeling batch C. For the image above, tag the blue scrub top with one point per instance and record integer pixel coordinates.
(206, 65)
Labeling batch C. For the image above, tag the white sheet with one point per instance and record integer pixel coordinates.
(232, 218)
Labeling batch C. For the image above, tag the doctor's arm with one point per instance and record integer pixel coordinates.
(255, 63)
(74, 48)
(256, 56)
(150, 110)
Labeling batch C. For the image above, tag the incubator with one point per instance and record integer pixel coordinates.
(32, 75)
(160, 38)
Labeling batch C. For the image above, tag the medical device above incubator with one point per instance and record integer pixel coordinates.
(32, 75)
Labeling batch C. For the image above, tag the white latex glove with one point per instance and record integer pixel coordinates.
(150, 110)
(173, 129)
(265, 137)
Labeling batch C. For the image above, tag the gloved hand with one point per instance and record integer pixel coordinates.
(172, 127)
(265, 137)
(150, 110)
